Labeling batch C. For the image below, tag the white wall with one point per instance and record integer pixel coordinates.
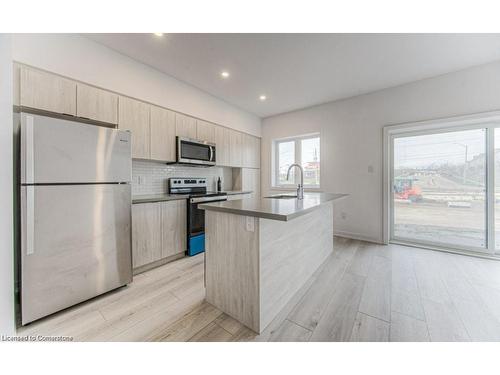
(7, 322)
(351, 136)
(77, 57)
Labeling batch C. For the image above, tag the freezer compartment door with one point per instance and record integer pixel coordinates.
(61, 151)
(75, 244)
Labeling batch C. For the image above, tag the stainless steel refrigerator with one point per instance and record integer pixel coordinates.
(75, 202)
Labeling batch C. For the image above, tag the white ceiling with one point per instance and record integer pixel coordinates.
(300, 70)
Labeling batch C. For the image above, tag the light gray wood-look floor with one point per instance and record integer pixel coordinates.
(363, 292)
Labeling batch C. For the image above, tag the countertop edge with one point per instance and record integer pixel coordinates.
(267, 215)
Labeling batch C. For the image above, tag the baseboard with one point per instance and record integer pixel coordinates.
(157, 263)
(357, 236)
(447, 250)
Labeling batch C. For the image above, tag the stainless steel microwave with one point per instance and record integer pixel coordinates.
(192, 151)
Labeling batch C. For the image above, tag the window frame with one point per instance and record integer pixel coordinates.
(297, 159)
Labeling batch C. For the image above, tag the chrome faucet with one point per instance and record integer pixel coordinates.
(300, 187)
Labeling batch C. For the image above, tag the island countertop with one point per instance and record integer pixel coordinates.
(273, 208)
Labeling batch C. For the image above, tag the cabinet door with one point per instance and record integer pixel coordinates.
(173, 227)
(185, 126)
(46, 91)
(133, 115)
(162, 134)
(96, 104)
(235, 148)
(247, 151)
(146, 233)
(256, 153)
(205, 131)
(222, 146)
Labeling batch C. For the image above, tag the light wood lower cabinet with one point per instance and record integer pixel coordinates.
(146, 233)
(162, 134)
(96, 104)
(173, 216)
(49, 92)
(158, 231)
(133, 115)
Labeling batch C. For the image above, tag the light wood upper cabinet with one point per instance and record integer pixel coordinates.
(153, 128)
(247, 151)
(173, 215)
(146, 233)
(96, 104)
(46, 91)
(250, 151)
(256, 152)
(205, 131)
(162, 134)
(235, 148)
(185, 126)
(222, 146)
(133, 115)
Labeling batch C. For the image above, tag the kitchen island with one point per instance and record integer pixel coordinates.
(259, 252)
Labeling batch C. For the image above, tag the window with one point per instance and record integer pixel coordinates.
(305, 151)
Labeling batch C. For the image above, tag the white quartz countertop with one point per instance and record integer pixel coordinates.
(272, 208)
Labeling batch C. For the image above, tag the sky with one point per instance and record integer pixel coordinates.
(426, 150)
(309, 146)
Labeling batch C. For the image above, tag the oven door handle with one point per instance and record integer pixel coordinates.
(207, 199)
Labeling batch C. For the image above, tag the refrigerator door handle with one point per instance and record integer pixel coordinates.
(29, 151)
(30, 219)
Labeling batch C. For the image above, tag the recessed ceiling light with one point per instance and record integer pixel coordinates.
(158, 34)
(224, 74)
(262, 97)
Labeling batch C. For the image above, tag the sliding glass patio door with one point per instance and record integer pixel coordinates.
(439, 189)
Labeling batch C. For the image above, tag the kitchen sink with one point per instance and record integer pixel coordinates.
(282, 196)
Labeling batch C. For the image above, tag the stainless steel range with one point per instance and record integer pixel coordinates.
(196, 190)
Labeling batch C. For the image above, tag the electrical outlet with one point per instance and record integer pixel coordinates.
(343, 215)
(370, 169)
(250, 224)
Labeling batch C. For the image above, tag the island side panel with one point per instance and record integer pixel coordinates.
(290, 252)
(232, 266)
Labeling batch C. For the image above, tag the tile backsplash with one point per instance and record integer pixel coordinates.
(152, 178)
